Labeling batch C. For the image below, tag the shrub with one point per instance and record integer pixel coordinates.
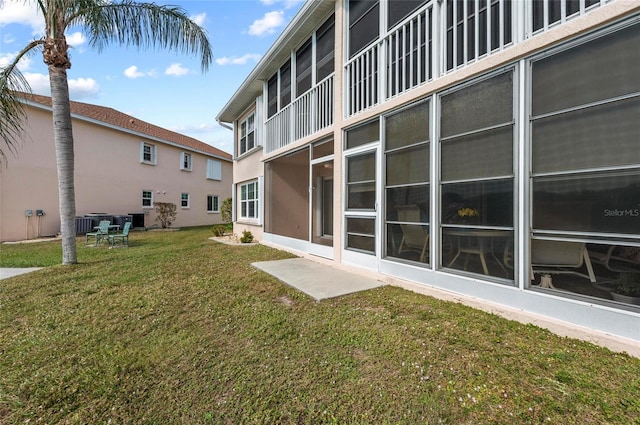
(628, 283)
(226, 210)
(219, 230)
(167, 213)
(247, 237)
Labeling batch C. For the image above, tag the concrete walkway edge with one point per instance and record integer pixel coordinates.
(7, 272)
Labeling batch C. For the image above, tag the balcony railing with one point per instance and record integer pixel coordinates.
(446, 35)
(403, 60)
(439, 38)
(547, 13)
(306, 115)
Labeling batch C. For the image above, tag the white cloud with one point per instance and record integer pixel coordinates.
(8, 39)
(39, 83)
(292, 3)
(20, 12)
(79, 88)
(83, 87)
(268, 24)
(177, 70)
(286, 3)
(76, 39)
(23, 65)
(238, 60)
(133, 72)
(197, 128)
(199, 18)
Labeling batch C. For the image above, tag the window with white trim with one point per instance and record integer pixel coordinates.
(148, 153)
(186, 163)
(213, 204)
(247, 134)
(184, 200)
(249, 202)
(214, 169)
(147, 199)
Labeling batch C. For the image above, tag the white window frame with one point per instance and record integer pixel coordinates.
(182, 199)
(149, 198)
(215, 204)
(153, 153)
(214, 169)
(255, 199)
(245, 131)
(186, 161)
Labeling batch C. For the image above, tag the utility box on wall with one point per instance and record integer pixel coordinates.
(121, 219)
(137, 220)
(83, 225)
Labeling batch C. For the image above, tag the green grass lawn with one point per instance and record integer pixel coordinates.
(181, 329)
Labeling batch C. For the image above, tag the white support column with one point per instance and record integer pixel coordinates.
(438, 49)
(521, 14)
(234, 198)
(521, 236)
(342, 101)
(261, 200)
(434, 180)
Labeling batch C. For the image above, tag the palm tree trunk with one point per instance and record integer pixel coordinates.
(63, 139)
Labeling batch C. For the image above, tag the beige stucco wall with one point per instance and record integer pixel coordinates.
(250, 167)
(246, 168)
(287, 196)
(109, 179)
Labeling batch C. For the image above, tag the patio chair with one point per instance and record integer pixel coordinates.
(101, 232)
(123, 237)
(414, 236)
(615, 258)
(555, 257)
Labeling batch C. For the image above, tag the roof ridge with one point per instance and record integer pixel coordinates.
(113, 117)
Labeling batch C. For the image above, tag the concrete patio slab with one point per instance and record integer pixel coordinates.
(317, 280)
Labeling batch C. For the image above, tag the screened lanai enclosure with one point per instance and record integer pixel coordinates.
(300, 195)
(554, 198)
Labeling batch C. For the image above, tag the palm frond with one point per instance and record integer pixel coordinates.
(144, 25)
(13, 88)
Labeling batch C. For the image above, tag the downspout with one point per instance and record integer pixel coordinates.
(225, 125)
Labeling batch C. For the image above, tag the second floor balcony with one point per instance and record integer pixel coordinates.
(441, 37)
(308, 114)
(435, 39)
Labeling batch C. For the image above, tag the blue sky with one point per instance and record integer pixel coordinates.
(163, 88)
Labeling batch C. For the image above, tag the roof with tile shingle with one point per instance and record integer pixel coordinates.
(113, 118)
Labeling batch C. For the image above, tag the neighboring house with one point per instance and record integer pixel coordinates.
(122, 166)
(475, 146)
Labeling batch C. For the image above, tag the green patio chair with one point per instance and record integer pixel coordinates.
(101, 232)
(123, 237)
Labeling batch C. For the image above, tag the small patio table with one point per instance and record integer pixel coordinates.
(479, 248)
(111, 228)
